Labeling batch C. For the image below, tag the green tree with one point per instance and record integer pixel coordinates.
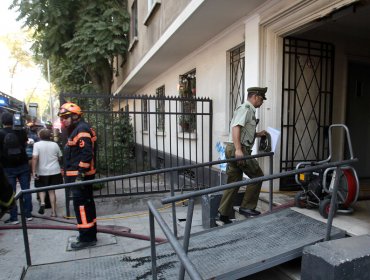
(69, 77)
(15, 43)
(80, 38)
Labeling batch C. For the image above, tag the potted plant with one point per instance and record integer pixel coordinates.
(187, 122)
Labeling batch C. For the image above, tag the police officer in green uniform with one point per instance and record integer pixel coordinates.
(241, 140)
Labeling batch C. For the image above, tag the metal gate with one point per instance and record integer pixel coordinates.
(307, 95)
(142, 133)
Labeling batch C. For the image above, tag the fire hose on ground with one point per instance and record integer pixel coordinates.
(108, 229)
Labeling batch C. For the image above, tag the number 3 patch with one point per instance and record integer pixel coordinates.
(82, 143)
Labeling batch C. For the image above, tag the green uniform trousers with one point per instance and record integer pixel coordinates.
(234, 173)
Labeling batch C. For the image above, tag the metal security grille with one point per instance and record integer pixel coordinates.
(308, 70)
(237, 90)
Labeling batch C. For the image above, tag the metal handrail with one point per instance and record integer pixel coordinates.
(122, 177)
(254, 180)
(137, 174)
(185, 261)
(348, 137)
(180, 251)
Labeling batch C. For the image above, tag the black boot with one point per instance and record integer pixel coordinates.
(42, 209)
(249, 212)
(222, 220)
(78, 245)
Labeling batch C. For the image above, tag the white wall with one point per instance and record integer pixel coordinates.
(262, 35)
(211, 64)
(252, 52)
(212, 69)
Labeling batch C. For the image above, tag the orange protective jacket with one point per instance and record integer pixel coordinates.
(80, 151)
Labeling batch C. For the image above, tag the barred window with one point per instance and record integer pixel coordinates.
(144, 108)
(188, 90)
(160, 93)
(134, 15)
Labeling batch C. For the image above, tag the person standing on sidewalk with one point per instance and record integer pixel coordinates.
(7, 201)
(46, 169)
(241, 140)
(15, 162)
(79, 165)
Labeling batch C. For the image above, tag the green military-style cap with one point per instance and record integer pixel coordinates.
(261, 91)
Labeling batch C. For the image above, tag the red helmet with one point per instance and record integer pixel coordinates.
(68, 109)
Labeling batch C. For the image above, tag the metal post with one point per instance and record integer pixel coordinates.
(66, 193)
(271, 183)
(333, 204)
(25, 234)
(174, 218)
(189, 220)
(211, 131)
(220, 175)
(152, 245)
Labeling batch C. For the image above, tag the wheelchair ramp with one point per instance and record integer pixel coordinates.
(227, 252)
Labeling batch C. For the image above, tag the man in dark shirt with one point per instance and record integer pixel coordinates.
(18, 169)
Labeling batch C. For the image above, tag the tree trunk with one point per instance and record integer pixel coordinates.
(102, 78)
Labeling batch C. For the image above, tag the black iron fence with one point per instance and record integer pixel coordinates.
(142, 133)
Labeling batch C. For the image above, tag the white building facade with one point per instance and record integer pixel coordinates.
(313, 55)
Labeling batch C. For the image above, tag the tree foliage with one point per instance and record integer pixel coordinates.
(80, 38)
(19, 56)
(68, 76)
(20, 66)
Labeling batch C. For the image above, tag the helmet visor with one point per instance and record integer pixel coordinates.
(63, 112)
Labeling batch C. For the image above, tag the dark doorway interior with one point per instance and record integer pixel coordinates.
(348, 30)
(358, 117)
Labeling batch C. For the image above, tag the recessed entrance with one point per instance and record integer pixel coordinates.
(348, 30)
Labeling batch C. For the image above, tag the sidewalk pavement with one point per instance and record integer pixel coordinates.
(50, 245)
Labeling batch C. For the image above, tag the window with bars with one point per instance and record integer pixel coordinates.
(134, 20)
(187, 90)
(237, 80)
(144, 108)
(160, 93)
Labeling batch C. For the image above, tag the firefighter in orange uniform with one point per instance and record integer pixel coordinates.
(79, 165)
